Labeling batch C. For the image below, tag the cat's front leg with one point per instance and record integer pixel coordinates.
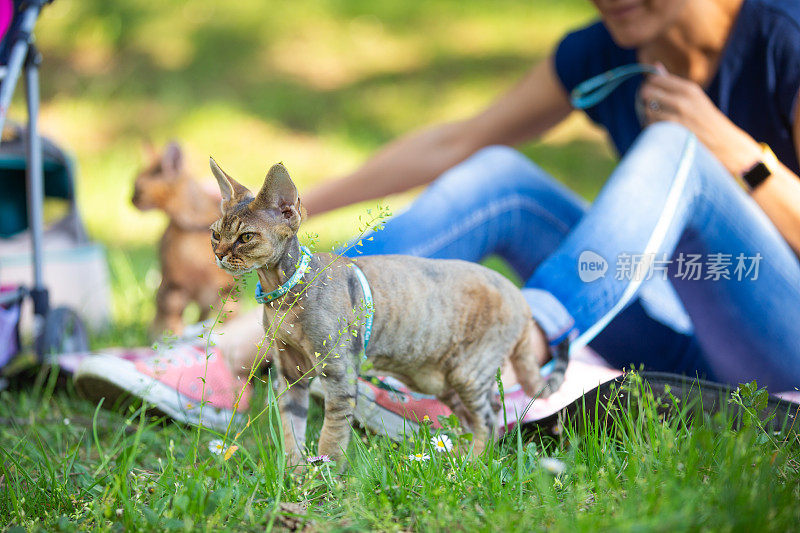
(293, 406)
(341, 388)
(292, 390)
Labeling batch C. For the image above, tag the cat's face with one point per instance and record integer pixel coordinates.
(253, 232)
(157, 185)
(245, 239)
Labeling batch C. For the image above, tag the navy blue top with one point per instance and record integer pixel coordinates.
(756, 83)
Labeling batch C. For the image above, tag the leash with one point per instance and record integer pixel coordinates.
(591, 92)
(653, 244)
(587, 94)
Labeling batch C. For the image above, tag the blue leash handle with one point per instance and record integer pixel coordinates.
(591, 92)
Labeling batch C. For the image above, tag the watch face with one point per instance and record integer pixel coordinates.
(756, 175)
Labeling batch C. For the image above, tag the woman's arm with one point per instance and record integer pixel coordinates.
(534, 105)
(685, 102)
(779, 195)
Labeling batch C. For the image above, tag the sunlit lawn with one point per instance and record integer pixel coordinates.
(320, 85)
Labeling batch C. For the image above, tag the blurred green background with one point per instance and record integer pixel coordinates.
(317, 84)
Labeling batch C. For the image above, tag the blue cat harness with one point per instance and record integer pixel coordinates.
(302, 268)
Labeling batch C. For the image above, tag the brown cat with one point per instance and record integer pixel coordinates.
(187, 273)
(441, 326)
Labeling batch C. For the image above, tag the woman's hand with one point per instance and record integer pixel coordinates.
(669, 97)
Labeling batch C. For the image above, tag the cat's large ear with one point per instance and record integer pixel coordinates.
(280, 193)
(172, 159)
(232, 191)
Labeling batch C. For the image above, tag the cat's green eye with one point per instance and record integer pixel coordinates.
(246, 237)
(214, 235)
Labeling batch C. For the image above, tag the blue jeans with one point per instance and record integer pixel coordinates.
(668, 207)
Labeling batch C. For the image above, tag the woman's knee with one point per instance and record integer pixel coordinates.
(662, 153)
(671, 147)
(495, 169)
(664, 131)
(662, 143)
(500, 156)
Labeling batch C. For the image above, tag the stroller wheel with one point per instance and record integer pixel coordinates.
(63, 332)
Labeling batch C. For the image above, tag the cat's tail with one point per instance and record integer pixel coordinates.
(561, 359)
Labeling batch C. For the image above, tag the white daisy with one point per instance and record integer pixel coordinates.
(441, 443)
(554, 466)
(216, 446)
(419, 457)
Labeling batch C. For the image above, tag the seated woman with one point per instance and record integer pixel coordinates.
(698, 226)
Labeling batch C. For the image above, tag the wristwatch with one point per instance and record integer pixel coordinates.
(762, 169)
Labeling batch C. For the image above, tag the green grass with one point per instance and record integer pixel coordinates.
(320, 84)
(68, 466)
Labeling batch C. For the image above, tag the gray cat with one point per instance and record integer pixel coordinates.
(443, 327)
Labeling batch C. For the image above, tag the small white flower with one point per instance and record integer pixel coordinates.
(66, 421)
(419, 456)
(554, 466)
(441, 443)
(216, 446)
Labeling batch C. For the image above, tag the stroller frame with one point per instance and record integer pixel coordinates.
(51, 327)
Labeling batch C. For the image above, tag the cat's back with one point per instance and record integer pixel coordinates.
(450, 282)
(427, 270)
(427, 307)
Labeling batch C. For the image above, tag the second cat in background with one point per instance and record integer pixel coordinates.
(188, 271)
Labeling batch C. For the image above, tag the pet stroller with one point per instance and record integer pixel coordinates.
(30, 168)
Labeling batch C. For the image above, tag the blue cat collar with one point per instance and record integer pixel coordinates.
(369, 306)
(302, 268)
(591, 92)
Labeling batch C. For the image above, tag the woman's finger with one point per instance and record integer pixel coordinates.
(669, 82)
(653, 113)
(657, 100)
(660, 106)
